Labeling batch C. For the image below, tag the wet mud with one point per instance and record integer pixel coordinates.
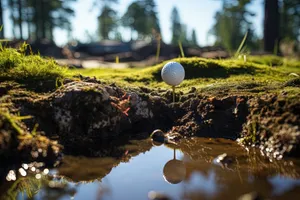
(91, 118)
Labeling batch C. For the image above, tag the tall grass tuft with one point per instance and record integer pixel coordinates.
(16, 65)
(240, 49)
(158, 49)
(181, 49)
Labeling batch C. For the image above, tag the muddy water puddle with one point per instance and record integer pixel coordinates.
(194, 169)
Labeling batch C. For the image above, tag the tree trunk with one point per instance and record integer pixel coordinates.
(28, 28)
(43, 19)
(51, 29)
(28, 21)
(1, 20)
(20, 20)
(36, 19)
(271, 25)
(11, 4)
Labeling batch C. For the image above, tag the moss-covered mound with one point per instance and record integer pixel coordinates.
(205, 68)
(213, 101)
(87, 114)
(34, 71)
(205, 73)
(274, 61)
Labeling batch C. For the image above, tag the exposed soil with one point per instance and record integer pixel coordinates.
(85, 116)
(18, 146)
(273, 125)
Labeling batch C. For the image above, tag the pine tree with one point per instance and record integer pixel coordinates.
(43, 15)
(232, 24)
(134, 18)
(151, 15)
(12, 7)
(107, 19)
(176, 26)
(194, 41)
(184, 36)
(107, 22)
(141, 16)
(20, 17)
(44, 19)
(290, 19)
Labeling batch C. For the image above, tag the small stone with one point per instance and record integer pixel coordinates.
(158, 136)
(223, 160)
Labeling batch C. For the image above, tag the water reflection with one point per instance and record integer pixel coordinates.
(283, 185)
(174, 170)
(187, 172)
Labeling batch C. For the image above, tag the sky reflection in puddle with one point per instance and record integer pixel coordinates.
(202, 179)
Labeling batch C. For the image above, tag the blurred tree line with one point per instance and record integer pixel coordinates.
(36, 19)
(233, 21)
(141, 17)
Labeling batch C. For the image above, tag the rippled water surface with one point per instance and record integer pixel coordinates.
(191, 171)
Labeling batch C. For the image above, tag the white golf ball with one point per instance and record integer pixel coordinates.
(173, 73)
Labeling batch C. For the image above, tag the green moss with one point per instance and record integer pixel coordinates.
(269, 60)
(11, 120)
(207, 75)
(293, 82)
(253, 131)
(234, 75)
(274, 61)
(15, 65)
(27, 186)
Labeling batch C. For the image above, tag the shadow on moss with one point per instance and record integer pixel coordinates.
(204, 68)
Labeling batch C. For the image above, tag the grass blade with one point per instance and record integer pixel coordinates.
(181, 49)
(241, 45)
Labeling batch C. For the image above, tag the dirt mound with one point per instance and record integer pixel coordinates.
(87, 115)
(82, 112)
(273, 125)
(212, 117)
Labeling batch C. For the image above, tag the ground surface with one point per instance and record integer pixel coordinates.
(256, 100)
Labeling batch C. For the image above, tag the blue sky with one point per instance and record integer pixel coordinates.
(197, 14)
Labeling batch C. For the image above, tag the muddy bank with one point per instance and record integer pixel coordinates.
(273, 125)
(86, 115)
(193, 157)
(205, 151)
(18, 145)
(73, 169)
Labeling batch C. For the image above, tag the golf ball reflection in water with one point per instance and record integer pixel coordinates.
(172, 73)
